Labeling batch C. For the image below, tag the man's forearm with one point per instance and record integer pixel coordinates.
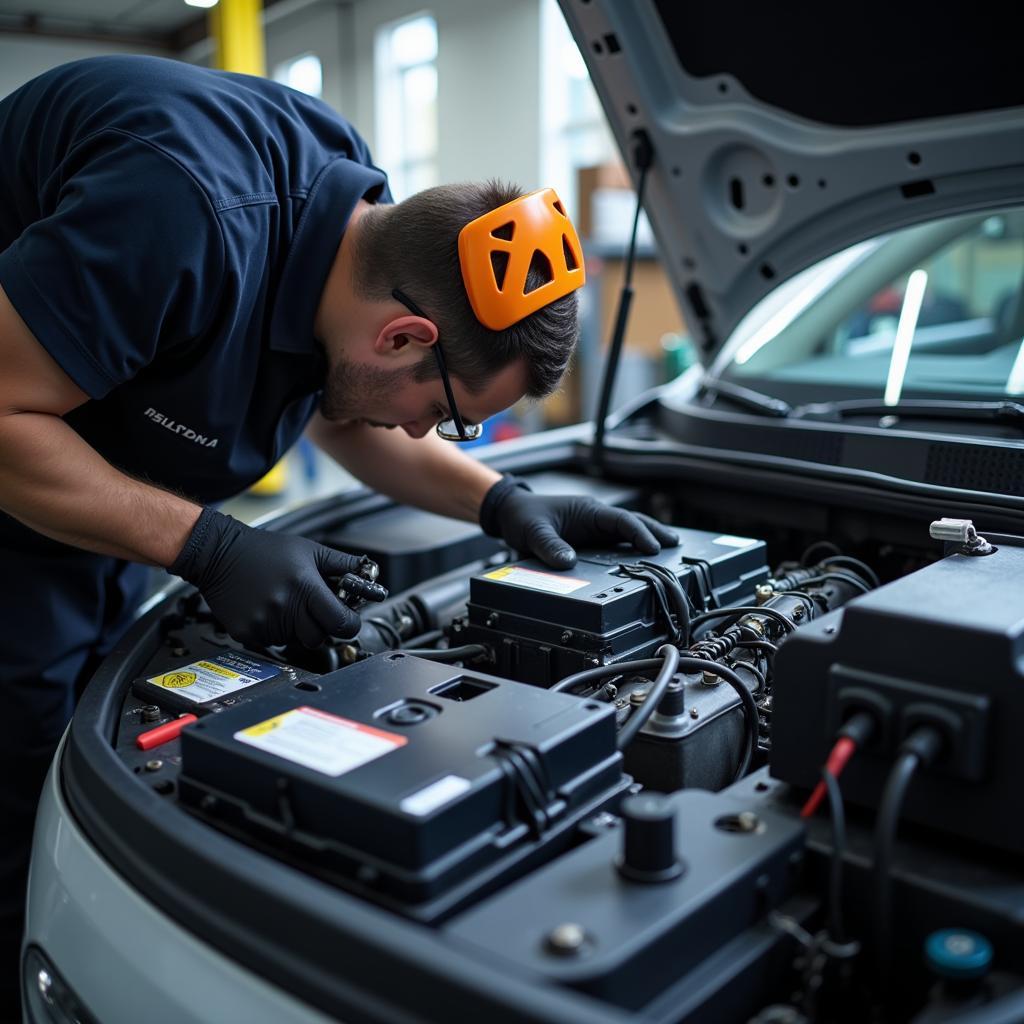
(427, 472)
(55, 483)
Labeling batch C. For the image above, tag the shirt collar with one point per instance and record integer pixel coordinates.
(325, 214)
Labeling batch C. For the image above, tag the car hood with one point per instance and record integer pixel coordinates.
(781, 137)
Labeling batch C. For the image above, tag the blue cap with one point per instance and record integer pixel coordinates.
(958, 954)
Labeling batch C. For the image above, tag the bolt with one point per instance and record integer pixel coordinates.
(830, 629)
(693, 713)
(492, 620)
(228, 700)
(799, 612)
(566, 636)
(748, 821)
(150, 713)
(709, 678)
(405, 622)
(764, 592)
(566, 940)
(637, 697)
(154, 766)
(348, 655)
(604, 820)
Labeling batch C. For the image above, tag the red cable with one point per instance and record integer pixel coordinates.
(843, 750)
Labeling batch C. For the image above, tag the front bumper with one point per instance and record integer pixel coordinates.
(122, 958)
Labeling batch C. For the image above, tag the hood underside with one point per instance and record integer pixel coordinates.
(781, 136)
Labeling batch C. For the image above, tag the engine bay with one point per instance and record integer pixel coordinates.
(608, 779)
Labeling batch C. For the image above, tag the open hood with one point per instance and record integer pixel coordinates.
(783, 134)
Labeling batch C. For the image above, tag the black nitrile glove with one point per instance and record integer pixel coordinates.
(266, 588)
(546, 525)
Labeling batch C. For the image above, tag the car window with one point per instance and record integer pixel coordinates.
(935, 309)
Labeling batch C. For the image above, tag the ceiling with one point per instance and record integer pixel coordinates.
(163, 24)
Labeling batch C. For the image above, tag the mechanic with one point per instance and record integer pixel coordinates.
(195, 267)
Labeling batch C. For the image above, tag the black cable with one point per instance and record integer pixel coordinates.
(635, 722)
(808, 600)
(762, 682)
(754, 645)
(427, 639)
(920, 747)
(655, 581)
(863, 568)
(738, 610)
(843, 577)
(387, 628)
(677, 594)
(644, 155)
(835, 880)
(805, 558)
(449, 653)
(590, 675)
(746, 700)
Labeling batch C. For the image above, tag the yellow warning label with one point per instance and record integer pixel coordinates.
(499, 574)
(216, 669)
(175, 680)
(262, 728)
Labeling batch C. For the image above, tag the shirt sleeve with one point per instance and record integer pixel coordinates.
(128, 262)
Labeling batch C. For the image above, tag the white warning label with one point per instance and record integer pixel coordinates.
(727, 540)
(216, 677)
(321, 741)
(549, 582)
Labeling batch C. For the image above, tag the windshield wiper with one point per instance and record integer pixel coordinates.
(913, 408)
(1005, 411)
(755, 401)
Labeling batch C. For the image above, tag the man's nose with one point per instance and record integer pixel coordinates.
(418, 428)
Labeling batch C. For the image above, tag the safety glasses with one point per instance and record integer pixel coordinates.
(455, 428)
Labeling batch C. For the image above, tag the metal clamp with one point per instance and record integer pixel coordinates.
(962, 534)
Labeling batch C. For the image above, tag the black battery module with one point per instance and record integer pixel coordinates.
(544, 625)
(414, 782)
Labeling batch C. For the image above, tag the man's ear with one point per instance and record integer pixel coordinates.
(404, 336)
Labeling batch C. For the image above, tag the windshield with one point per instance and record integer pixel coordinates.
(933, 311)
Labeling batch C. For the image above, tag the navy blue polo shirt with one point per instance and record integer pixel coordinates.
(165, 233)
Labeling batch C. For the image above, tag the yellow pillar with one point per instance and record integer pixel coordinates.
(237, 30)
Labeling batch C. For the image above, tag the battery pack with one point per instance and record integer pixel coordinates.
(544, 625)
(204, 685)
(407, 779)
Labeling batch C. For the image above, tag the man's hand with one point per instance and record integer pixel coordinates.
(547, 525)
(266, 588)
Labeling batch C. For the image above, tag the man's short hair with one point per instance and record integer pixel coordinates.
(413, 246)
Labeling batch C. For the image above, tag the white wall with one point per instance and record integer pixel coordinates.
(325, 30)
(488, 72)
(488, 67)
(24, 57)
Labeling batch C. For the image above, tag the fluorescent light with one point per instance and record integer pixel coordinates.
(774, 326)
(905, 335)
(1015, 382)
(201, 3)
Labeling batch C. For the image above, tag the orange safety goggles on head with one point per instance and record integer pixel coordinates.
(498, 250)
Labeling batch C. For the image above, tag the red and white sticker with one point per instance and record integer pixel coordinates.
(321, 741)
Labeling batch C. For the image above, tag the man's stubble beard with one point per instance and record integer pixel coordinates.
(355, 391)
